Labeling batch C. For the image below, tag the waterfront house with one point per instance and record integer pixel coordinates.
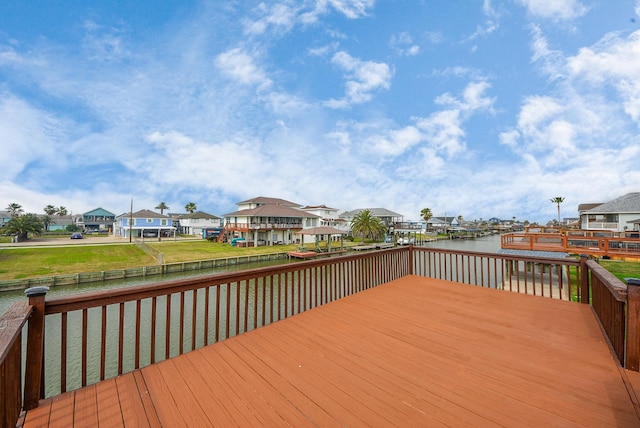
(614, 216)
(388, 217)
(98, 219)
(143, 224)
(60, 222)
(267, 221)
(195, 223)
(5, 216)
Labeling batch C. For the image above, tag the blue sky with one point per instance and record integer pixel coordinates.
(474, 108)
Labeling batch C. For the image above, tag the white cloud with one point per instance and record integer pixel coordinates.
(403, 44)
(240, 66)
(616, 62)
(363, 78)
(555, 10)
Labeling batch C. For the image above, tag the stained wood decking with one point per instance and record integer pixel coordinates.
(413, 352)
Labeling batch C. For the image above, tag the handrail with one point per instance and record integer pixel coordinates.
(126, 324)
(11, 331)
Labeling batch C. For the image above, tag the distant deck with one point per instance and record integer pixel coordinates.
(412, 352)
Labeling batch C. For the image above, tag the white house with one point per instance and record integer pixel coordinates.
(195, 223)
(618, 215)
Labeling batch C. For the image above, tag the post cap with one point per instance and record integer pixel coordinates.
(36, 291)
(633, 281)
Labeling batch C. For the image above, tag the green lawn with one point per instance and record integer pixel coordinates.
(622, 270)
(30, 262)
(203, 250)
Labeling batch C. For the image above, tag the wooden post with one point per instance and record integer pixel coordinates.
(35, 348)
(584, 280)
(410, 259)
(633, 324)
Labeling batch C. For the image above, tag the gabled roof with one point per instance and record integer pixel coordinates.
(199, 214)
(376, 212)
(273, 210)
(314, 207)
(629, 203)
(99, 212)
(144, 214)
(262, 200)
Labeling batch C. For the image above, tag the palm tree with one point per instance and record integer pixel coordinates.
(15, 209)
(558, 200)
(47, 221)
(366, 225)
(61, 211)
(23, 225)
(191, 207)
(426, 214)
(50, 209)
(162, 206)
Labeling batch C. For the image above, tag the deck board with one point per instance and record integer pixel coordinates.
(412, 352)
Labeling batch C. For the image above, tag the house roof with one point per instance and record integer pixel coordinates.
(313, 207)
(273, 210)
(629, 203)
(199, 214)
(262, 200)
(99, 212)
(376, 212)
(144, 214)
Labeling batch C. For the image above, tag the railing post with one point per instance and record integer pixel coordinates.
(633, 324)
(584, 279)
(410, 259)
(35, 348)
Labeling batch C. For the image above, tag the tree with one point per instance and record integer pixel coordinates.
(558, 200)
(366, 225)
(47, 221)
(50, 210)
(23, 225)
(191, 207)
(61, 211)
(15, 209)
(426, 214)
(162, 206)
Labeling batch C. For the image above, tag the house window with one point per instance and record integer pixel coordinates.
(149, 220)
(163, 222)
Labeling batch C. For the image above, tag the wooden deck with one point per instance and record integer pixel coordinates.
(412, 352)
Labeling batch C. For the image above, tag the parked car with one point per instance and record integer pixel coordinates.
(76, 235)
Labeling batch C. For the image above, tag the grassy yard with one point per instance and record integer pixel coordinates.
(622, 270)
(203, 250)
(30, 262)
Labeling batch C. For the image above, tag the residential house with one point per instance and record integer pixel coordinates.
(143, 224)
(442, 224)
(268, 221)
(97, 220)
(5, 216)
(328, 218)
(60, 222)
(197, 222)
(388, 217)
(618, 215)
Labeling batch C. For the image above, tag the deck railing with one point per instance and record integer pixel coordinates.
(81, 339)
